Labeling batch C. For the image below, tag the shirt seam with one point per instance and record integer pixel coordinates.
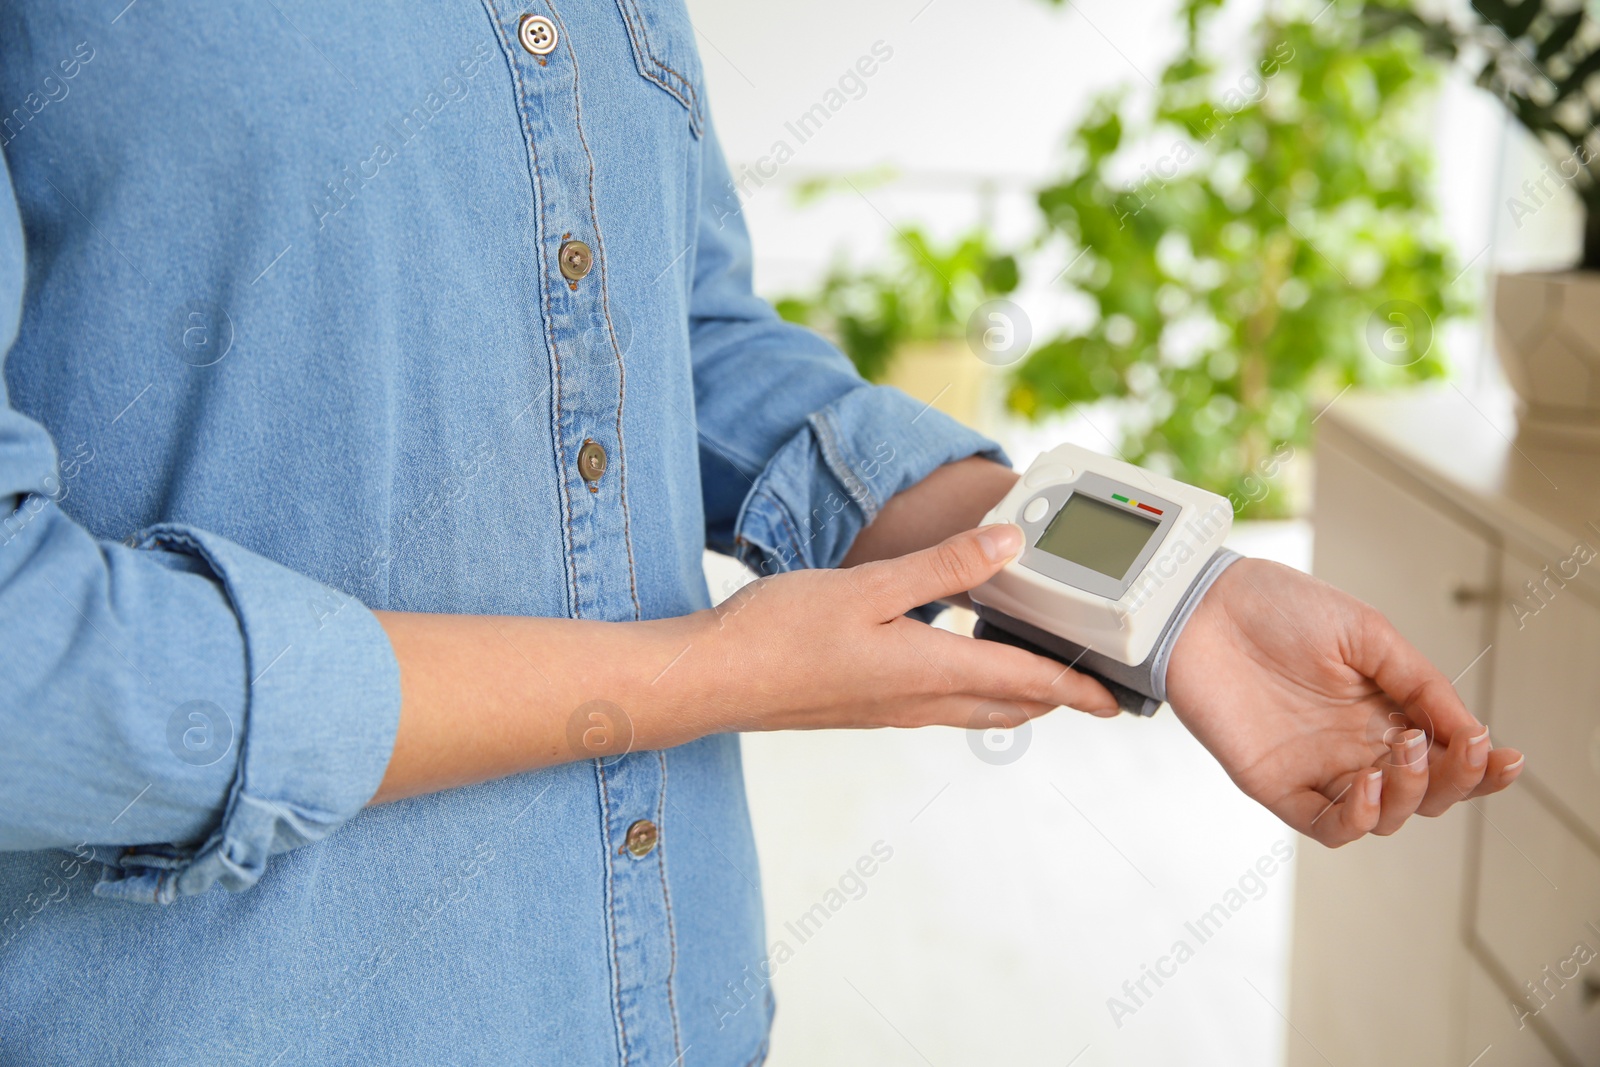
(666, 897)
(648, 57)
(611, 910)
(541, 206)
(605, 308)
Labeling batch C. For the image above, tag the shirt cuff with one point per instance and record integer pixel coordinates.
(1140, 689)
(322, 709)
(832, 477)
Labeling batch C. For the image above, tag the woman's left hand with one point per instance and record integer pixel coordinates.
(1318, 709)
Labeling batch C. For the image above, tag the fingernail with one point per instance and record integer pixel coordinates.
(1515, 766)
(1000, 541)
(1478, 751)
(1374, 787)
(1411, 746)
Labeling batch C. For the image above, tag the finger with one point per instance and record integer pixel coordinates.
(1405, 781)
(1505, 765)
(1457, 770)
(895, 586)
(1350, 814)
(973, 711)
(1003, 672)
(966, 711)
(1422, 691)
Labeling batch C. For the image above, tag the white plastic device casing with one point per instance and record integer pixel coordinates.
(1127, 616)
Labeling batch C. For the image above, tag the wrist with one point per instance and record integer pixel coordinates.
(654, 690)
(1195, 644)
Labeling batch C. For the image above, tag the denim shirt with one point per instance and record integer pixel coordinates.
(296, 325)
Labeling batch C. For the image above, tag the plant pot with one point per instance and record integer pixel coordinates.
(943, 373)
(1547, 332)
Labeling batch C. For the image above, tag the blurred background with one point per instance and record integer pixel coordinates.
(1256, 246)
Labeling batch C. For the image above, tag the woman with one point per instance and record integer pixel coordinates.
(374, 384)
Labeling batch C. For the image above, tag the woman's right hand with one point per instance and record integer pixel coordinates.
(833, 649)
(484, 697)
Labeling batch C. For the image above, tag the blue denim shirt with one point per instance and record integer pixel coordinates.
(287, 338)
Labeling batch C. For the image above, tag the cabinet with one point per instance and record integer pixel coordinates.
(1420, 949)
(1555, 624)
(1495, 1038)
(1537, 904)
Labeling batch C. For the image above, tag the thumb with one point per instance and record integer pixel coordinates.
(966, 560)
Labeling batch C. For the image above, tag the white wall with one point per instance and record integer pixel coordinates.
(972, 92)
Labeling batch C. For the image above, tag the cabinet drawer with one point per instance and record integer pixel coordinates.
(1547, 681)
(1382, 542)
(1538, 917)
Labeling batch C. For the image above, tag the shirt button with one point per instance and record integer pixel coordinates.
(642, 837)
(591, 461)
(576, 260)
(537, 34)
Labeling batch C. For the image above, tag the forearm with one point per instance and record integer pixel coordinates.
(484, 697)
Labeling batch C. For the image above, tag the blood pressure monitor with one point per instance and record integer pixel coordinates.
(1109, 552)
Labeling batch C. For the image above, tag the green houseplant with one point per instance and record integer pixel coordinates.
(1250, 243)
(1542, 59)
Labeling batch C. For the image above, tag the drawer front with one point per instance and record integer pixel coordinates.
(1538, 918)
(1385, 544)
(1547, 681)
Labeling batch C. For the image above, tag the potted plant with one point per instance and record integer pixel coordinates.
(1250, 241)
(905, 323)
(1542, 59)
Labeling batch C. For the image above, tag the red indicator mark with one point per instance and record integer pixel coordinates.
(1153, 511)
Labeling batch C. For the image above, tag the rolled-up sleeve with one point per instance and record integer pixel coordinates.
(797, 451)
(179, 704)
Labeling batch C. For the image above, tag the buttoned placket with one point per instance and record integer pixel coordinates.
(587, 388)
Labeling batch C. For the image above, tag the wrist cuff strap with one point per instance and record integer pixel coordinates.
(1140, 689)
